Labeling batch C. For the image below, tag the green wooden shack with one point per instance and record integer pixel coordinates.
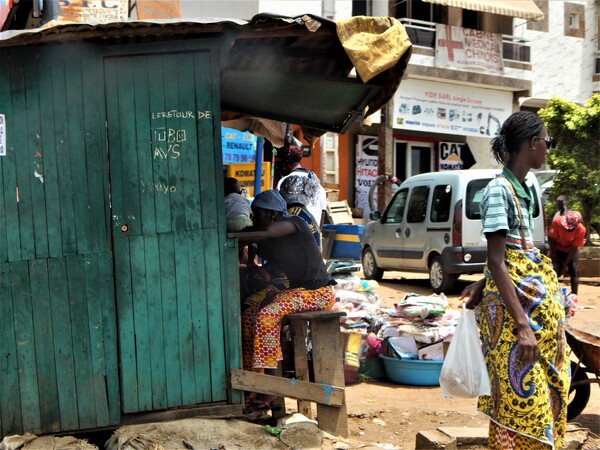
(118, 283)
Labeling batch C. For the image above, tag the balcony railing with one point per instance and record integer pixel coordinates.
(422, 34)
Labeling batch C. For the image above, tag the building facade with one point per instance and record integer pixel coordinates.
(473, 64)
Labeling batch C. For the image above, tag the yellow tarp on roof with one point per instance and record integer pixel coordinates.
(373, 44)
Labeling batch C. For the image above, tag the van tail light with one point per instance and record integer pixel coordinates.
(457, 225)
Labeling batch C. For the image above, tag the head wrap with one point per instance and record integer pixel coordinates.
(571, 220)
(300, 189)
(292, 153)
(270, 200)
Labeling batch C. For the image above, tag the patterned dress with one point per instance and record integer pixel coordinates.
(261, 348)
(528, 403)
(310, 288)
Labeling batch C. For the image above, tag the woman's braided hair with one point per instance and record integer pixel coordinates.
(520, 126)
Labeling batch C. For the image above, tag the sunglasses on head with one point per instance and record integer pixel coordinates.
(549, 141)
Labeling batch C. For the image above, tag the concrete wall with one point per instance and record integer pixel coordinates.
(563, 58)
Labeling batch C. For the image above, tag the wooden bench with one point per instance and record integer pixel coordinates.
(327, 387)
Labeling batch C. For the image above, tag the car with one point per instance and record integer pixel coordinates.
(432, 224)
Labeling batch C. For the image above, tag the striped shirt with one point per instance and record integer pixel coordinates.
(499, 212)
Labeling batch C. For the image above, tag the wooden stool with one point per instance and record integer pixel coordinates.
(327, 388)
(327, 360)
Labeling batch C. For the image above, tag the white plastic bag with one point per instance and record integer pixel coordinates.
(464, 373)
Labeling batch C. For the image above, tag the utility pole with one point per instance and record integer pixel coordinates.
(386, 142)
(384, 156)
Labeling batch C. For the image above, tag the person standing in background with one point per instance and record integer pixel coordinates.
(565, 236)
(238, 213)
(287, 162)
(561, 206)
(296, 191)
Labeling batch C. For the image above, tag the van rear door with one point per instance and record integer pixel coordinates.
(539, 227)
(472, 231)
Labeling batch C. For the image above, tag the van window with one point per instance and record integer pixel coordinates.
(475, 190)
(395, 211)
(440, 204)
(417, 206)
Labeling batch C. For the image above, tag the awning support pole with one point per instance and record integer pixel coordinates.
(260, 143)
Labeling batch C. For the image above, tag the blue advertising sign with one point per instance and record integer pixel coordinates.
(237, 146)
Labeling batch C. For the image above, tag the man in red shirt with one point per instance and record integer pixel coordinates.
(565, 236)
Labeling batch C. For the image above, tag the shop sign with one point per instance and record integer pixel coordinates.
(5, 6)
(237, 146)
(466, 49)
(366, 170)
(91, 11)
(245, 175)
(158, 9)
(435, 107)
(451, 156)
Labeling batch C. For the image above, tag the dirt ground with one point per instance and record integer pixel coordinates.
(387, 415)
(381, 415)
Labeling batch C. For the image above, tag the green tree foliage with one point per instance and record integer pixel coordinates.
(577, 154)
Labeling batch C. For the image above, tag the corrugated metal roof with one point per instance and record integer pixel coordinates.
(290, 69)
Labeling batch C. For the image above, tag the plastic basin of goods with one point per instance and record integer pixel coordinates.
(416, 372)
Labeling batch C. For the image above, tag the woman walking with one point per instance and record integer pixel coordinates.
(521, 309)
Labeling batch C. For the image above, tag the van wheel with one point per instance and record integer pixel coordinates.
(370, 268)
(439, 279)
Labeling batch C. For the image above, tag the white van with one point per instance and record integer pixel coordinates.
(432, 224)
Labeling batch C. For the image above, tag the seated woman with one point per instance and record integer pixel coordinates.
(293, 250)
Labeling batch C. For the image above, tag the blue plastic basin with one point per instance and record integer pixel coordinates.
(416, 372)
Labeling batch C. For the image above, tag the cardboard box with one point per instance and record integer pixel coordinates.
(432, 352)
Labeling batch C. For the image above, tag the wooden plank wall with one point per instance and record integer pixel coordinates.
(58, 350)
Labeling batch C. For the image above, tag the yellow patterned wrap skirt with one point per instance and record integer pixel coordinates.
(528, 401)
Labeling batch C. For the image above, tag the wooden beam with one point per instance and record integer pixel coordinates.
(328, 364)
(299, 335)
(212, 411)
(320, 393)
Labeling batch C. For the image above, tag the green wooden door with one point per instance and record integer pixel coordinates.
(58, 341)
(168, 230)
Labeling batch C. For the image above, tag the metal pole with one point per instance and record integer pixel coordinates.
(260, 143)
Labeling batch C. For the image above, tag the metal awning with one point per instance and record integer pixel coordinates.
(274, 69)
(525, 9)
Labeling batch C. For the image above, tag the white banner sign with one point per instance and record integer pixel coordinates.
(2, 135)
(450, 108)
(366, 170)
(463, 48)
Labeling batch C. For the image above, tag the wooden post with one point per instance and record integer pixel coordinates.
(301, 361)
(328, 362)
(384, 156)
